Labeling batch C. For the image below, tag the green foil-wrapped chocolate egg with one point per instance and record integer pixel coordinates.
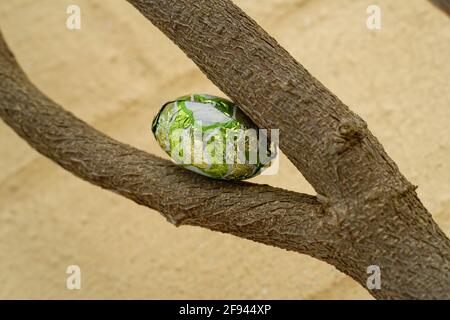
(212, 136)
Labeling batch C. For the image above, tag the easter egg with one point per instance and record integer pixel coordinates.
(211, 136)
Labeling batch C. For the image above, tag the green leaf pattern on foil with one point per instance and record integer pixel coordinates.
(216, 119)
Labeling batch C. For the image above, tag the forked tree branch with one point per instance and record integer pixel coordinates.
(261, 213)
(366, 212)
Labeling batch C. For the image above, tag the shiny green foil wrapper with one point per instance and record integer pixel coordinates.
(196, 130)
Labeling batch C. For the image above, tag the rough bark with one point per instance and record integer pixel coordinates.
(366, 212)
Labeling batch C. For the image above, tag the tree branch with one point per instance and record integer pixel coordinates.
(261, 213)
(374, 208)
(366, 212)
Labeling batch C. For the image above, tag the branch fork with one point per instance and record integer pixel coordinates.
(365, 213)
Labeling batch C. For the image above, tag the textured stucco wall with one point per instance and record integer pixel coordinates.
(115, 73)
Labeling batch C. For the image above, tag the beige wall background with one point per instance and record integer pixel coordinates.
(119, 69)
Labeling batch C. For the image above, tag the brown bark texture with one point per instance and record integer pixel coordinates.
(365, 212)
